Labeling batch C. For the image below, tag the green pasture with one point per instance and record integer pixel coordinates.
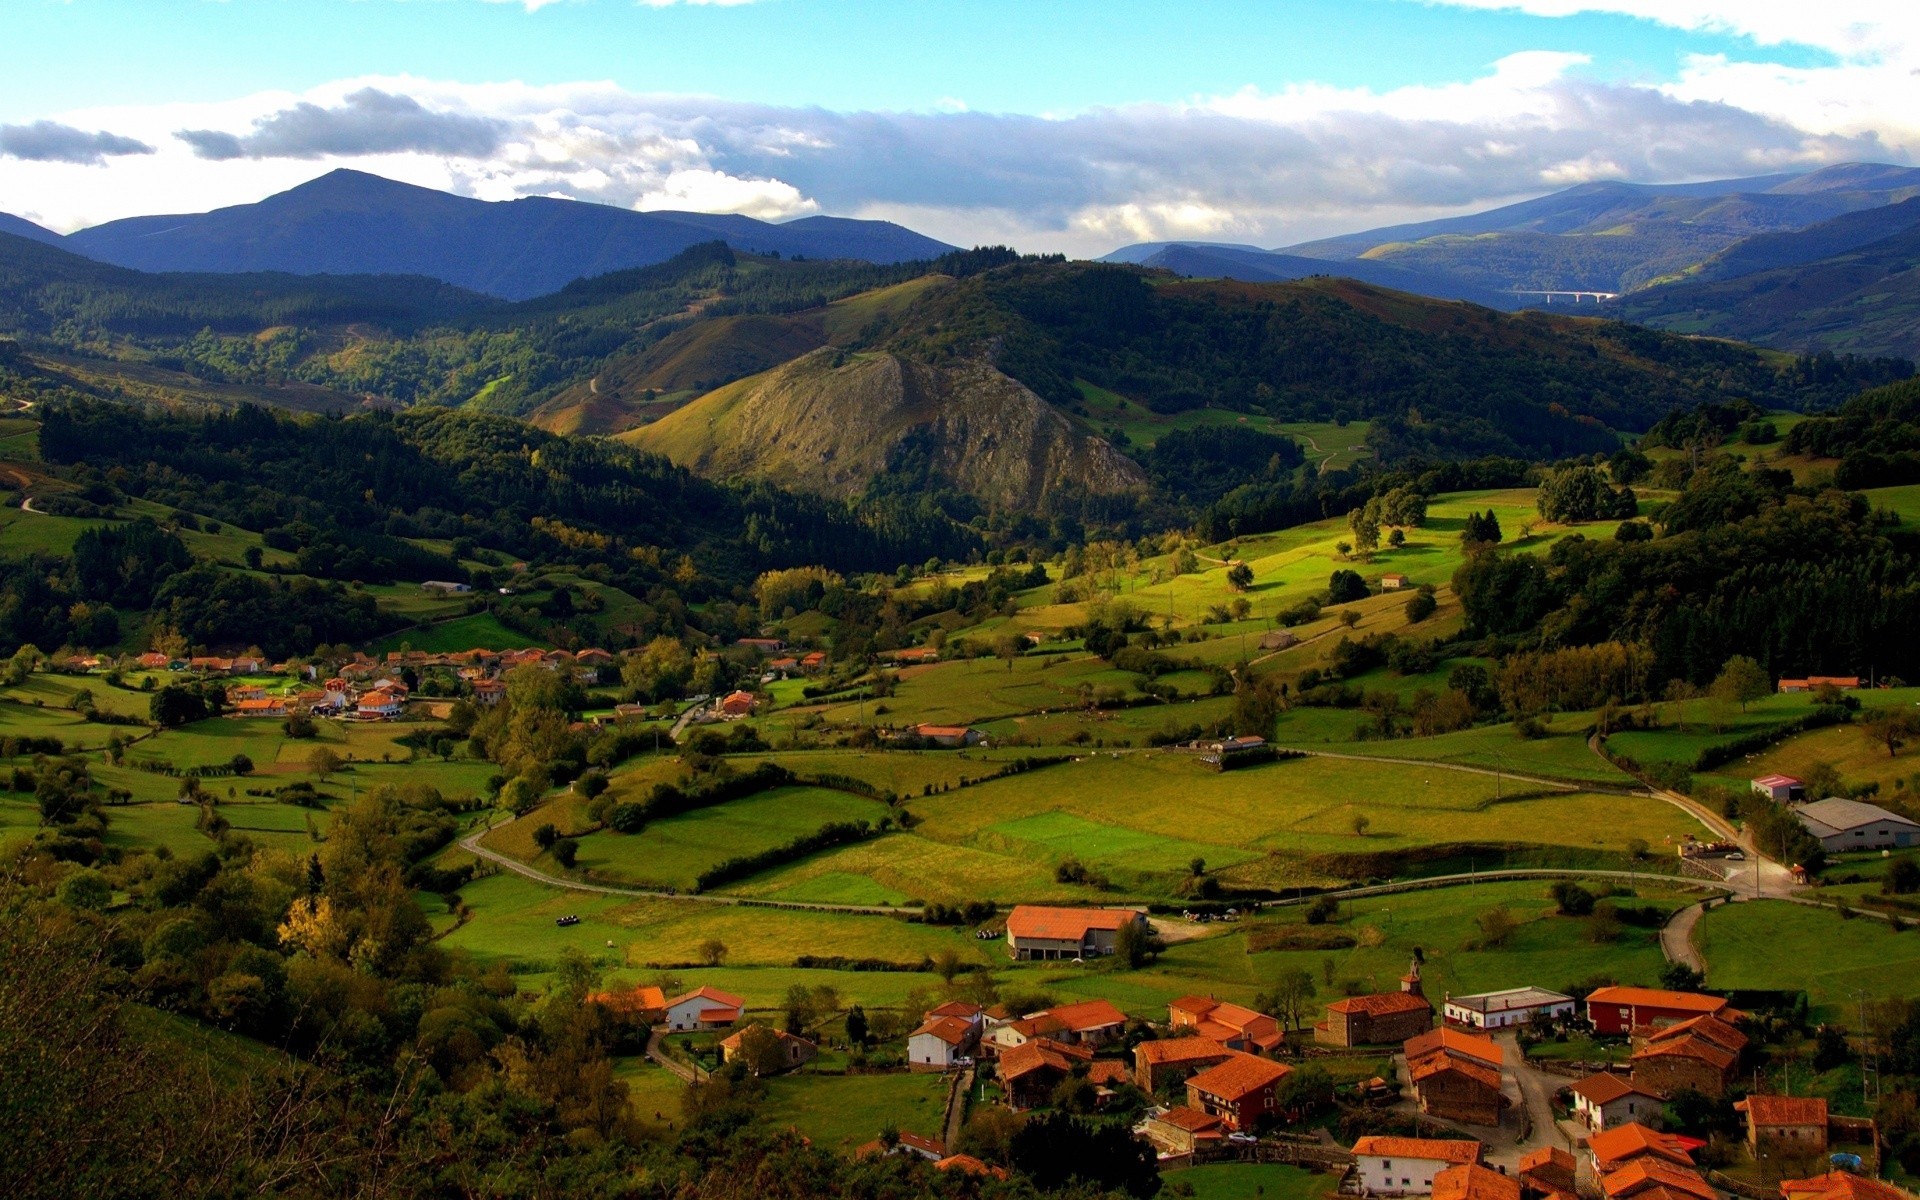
(1903, 502)
(676, 850)
(845, 1112)
(1772, 944)
(1251, 1181)
(476, 631)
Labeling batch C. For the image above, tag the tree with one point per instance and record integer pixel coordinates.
(947, 963)
(1344, 586)
(86, 889)
(545, 836)
(565, 851)
(857, 1026)
(1497, 926)
(1420, 606)
(1136, 944)
(322, 762)
(1365, 523)
(1055, 1149)
(1292, 991)
(762, 1051)
(1361, 823)
(1890, 727)
(1008, 647)
(1903, 878)
(1240, 577)
(1304, 1092)
(1198, 866)
(713, 952)
(1679, 977)
(240, 764)
(1741, 681)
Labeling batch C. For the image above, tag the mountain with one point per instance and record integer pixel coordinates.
(349, 222)
(1834, 287)
(21, 227)
(1213, 260)
(1615, 237)
(833, 423)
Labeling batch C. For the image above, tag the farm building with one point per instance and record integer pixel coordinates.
(940, 1043)
(382, 705)
(1392, 581)
(1278, 639)
(703, 1008)
(794, 1051)
(1653, 1179)
(1856, 825)
(1030, 1071)
(1605, 1100)
(1623, 1144)
(1233, 751)
(1040, 932)
(1403, 1166)
(1548, 1172)
(949, 736)
(1231, 1025)
(1242, 1092)
(737, 704)
(1702, 1055)
(1474, 1182)
(636, 1005)
(1515, 1006)
(1781, 789)
(1621, 1010)
(1162, 1059)
(446, 587)
(1840, 1185)
(1375, 1020)
(1456, 1076)
(1843, 682)
(1090, 1022)
(1183, 1130)
(1792, 1124)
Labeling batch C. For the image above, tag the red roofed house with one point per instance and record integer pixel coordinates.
(1036, 931)
(641, 1005)
(794, 1051)
(816, 661)
(1183, 1130)
(948, 735)
(1030, 1071)
(1605, 1100)
(1233, 1026)
(762, 645)
(1548, 1173)
(381, 705)
(737, 704)
(1621, 1010)
(1164, 1059)
(1398, 1166)
(1796, 1124)
(1240, 1091)
(703, 1008)
(153, 660)
(1702, 1054)
(967, 1164)
(1839, 1185)
(940, 1043)
(269, 706)
(1615, 1148)
(1655, 1179)
(1474, 1182)
(1375, 1020)
(1456, 1076)
(1090, 1023)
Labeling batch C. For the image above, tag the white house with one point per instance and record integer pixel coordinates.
(1405, 1166)
(1605, 1100)
(703, 1008)
(380, 704)
(1781, 789)
(940, 1043)
(1855, 825)
(1514, 1006)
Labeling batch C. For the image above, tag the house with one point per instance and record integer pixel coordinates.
(1090, 1022)
(1378, 1019)
(1811, 682)
(638, 1005)
(1614, 1148)
(1702, 1054)
(737, 704)
(941, 1043)
(488, 692)
(1548, 1173)
(1232, 752)
(1785, 1124)
(814, 662)
(380, 705)
(1456, 1076)
(949, 736)
(783, 666)
(446, 587)
(1839, 1185)
(271, 706)
(1164, 1059)
(1278, 639)
(153, 661)
(1514, 1006)
(1039, 932)
(1617, 1011)
(1184, 1130)
(912, 1144)
(1474, 1182)
(1605, 1100)
(1401, 1166)
(1232, 1025)
(762, 645)
(967, 1164)
(1843, 825)
(794, 1051)
(1005, 1035)
(1392, 581)
(1781, 789)
(1031, 1070)
(703, 1008)
(1654, 1179)
(972, 1014)
(1242, 1091)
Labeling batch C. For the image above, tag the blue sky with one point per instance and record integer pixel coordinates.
(1056, 124)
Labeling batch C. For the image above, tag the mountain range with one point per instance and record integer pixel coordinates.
(352, 223)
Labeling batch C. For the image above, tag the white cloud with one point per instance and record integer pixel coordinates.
(717, 191)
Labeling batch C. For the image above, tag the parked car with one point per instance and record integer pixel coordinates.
(1243, 1139)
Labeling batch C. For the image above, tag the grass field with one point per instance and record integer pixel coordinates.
(1249, 1181)
(1697, 725)
(478, 631)
(1773, 944)
(844, 1112)
(676, 850)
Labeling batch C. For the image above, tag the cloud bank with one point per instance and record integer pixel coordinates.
(50, 141)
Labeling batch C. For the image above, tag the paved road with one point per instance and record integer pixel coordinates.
(957, 1094)
(658, 1053)
(1676, 938)
(1536, 1089)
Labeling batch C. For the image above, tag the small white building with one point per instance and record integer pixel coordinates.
(941, 1043)
(1405, 1166)
(446, 586)
(1515, 1006)
(703, 1008)
(1605, 1100)
(1843, 825)
(1781, 789)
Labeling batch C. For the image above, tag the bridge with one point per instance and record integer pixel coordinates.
(1576, 297)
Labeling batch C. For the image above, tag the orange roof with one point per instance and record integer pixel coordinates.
(633, 1000)
(1459, 1151)
(1548, 1157)
(1108, 1070)
(260, 705)
(1041, 1053)
(1638, 1176)
(1605, 1088)
(1180, 1049)
(1471, 1045)
(1086, 1015)
(1656, 998)
(715, 995)
(1064, 924)
(1840, 1185)
(1239, 1077)
(969, 1164)
(1765, 1110)
(1192, 1120)
(1381, 1003)
(1442, 1061)
(1711, 1027)
(1474, 1182)
(1689, 1046)
(954, 1031)
(955, 1008)
(378, 699)
(1624, 1143)
(939, 731)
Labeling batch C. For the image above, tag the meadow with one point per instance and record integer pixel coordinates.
(1772, 944)
(845, 1112)
(674, 851)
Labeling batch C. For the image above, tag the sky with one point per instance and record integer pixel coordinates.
(1053, 125)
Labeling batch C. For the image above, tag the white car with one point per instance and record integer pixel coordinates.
(1244, 1139)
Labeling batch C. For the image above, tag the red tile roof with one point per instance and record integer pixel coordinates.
(1108, 1070)
(1471, 1045)
(633, 1000)
(1192, 1120)
(1689, 1046)
(1064, 924)
(1239, 1077)
(1381, 1004)
(1624, 1143)
(1765, 1111)
(1711, 1027)
(955, 1008)
(1638, 1176)
(1039, 1054)
(954, 1031)
(1549, 1160)
(1656, 998)
(1086, 1016)
(1459, 1151)
(1474, 1183)
(970, 1165)
(1441, 1062)
(1605, 1088)
(1180, 1049)
(1840, 1185)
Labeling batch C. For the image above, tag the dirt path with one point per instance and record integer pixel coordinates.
(1676, 938)
(957, 1093)
(657, 1053)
